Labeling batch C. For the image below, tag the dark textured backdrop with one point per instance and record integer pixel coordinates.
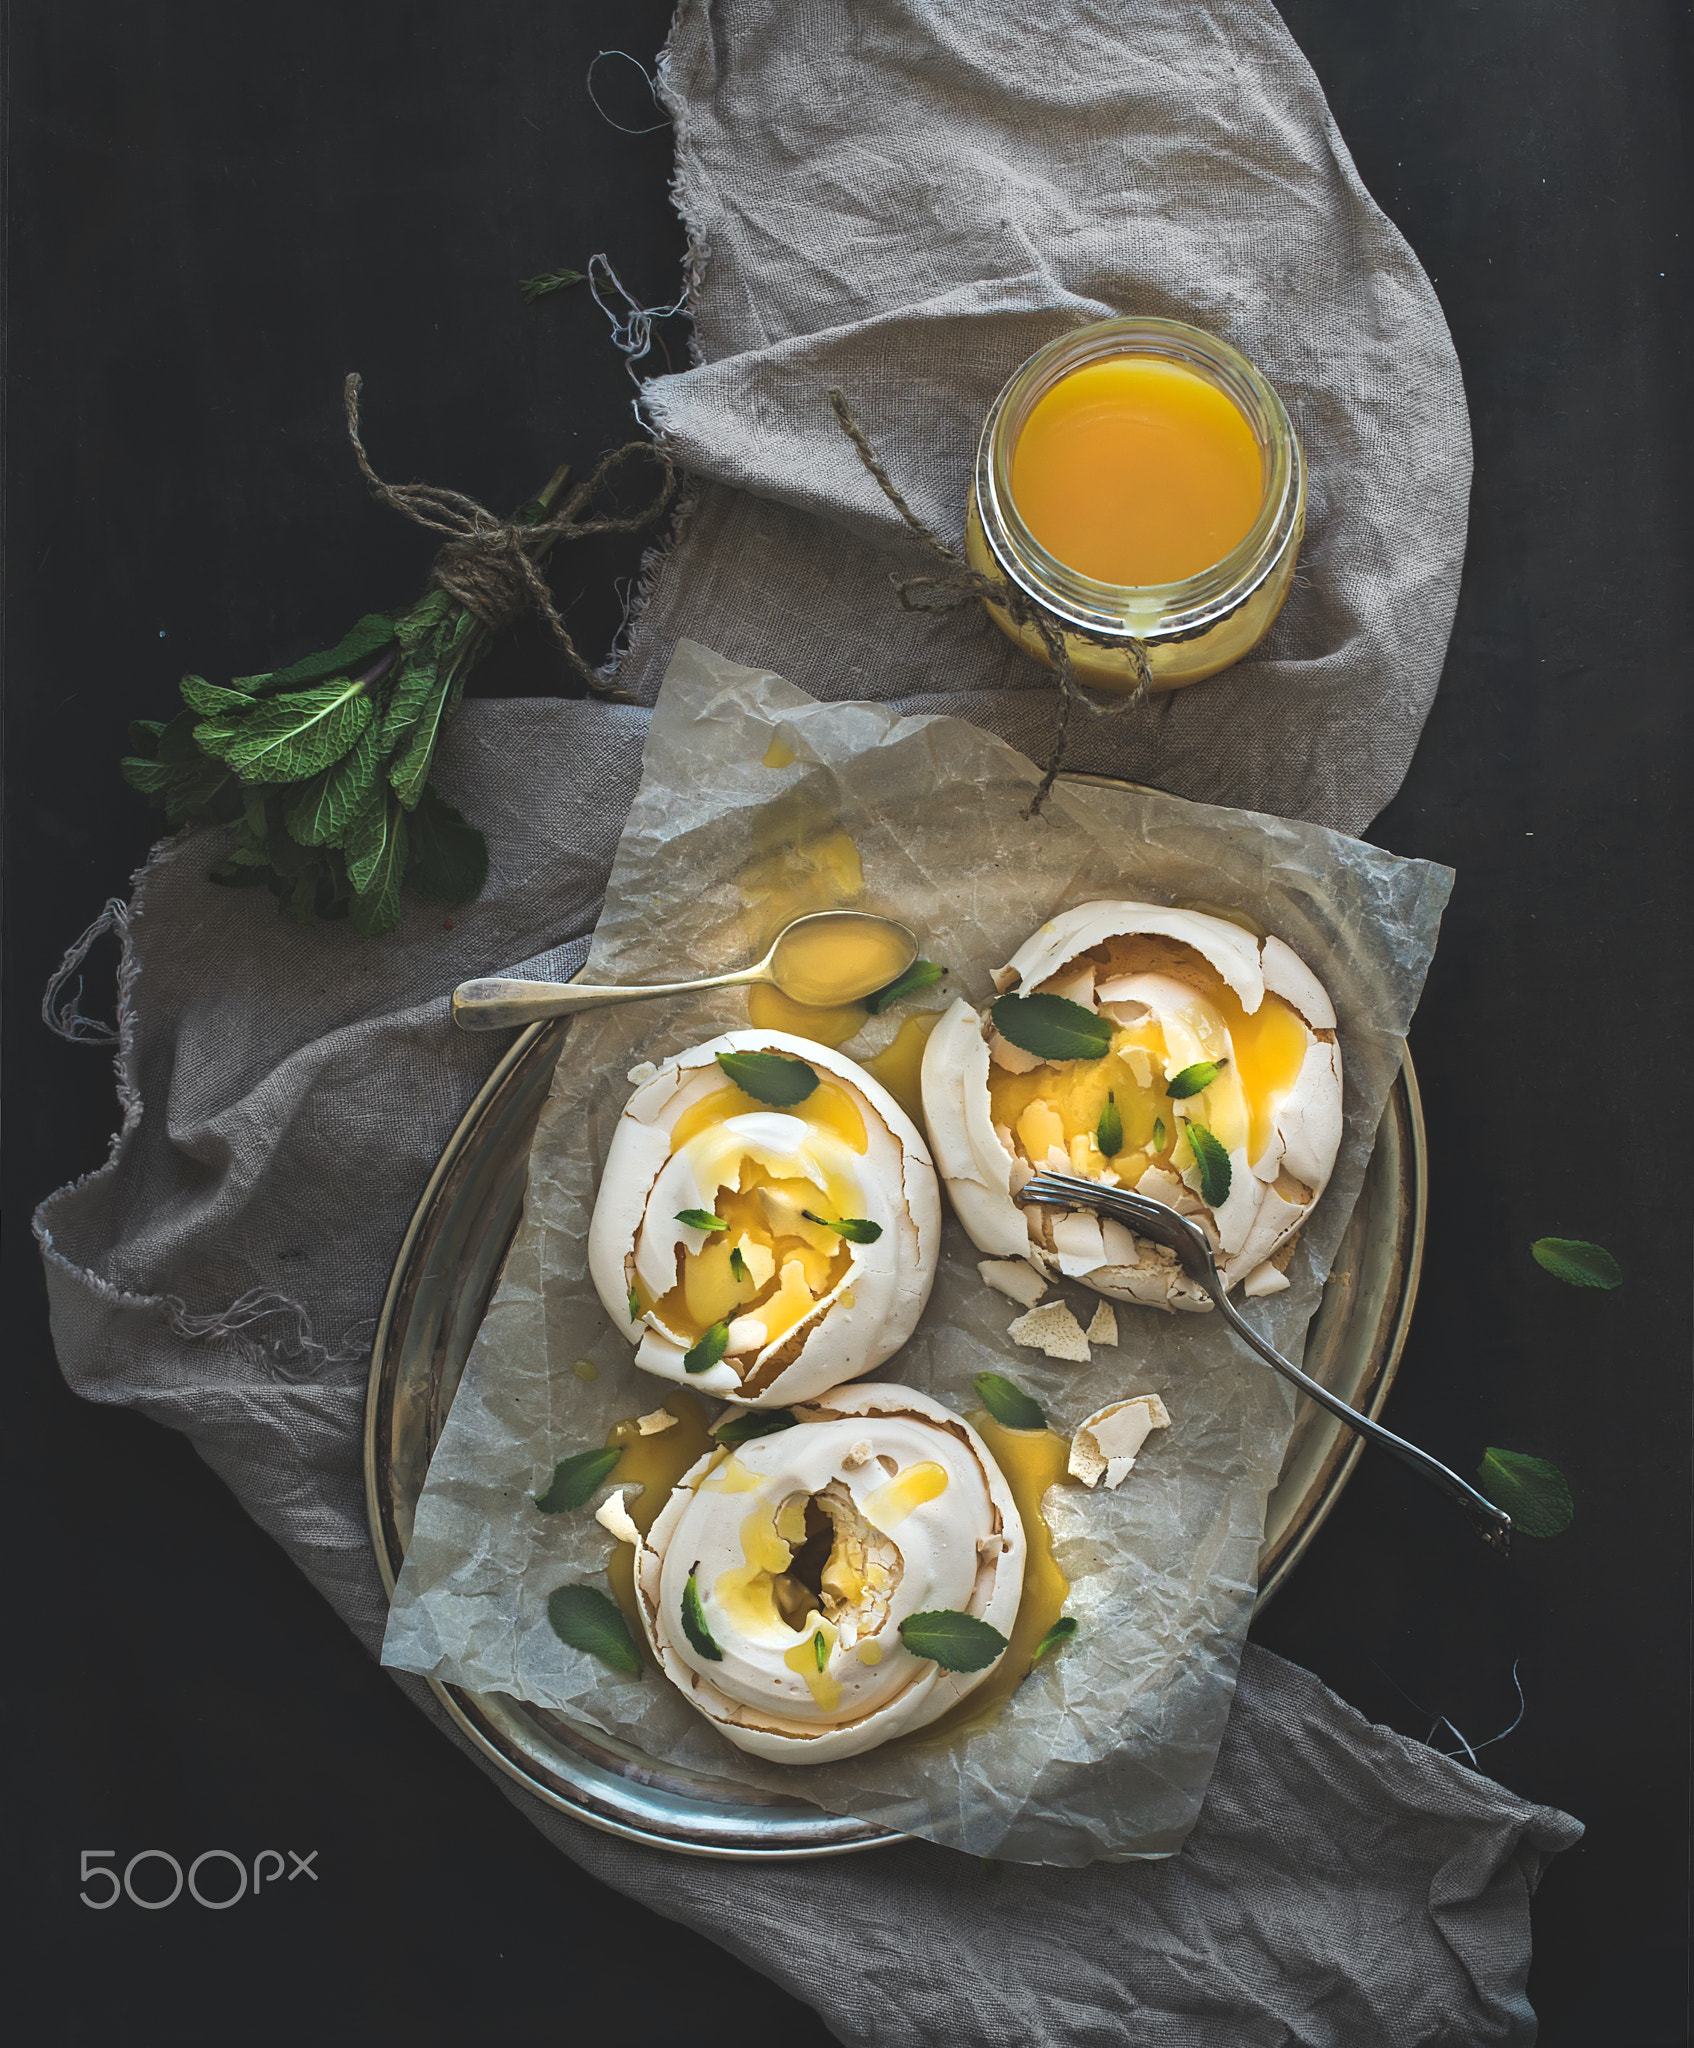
(215, 213)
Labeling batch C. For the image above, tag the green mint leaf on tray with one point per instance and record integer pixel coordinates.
(1213, 1162)
(1193, 1079)
(1576, 1263)
(1533, 1492)
(1007, 1402)
(575, 1479)
(694, 1623)
(701, 1219)
(446, 857)
(757, 1422)
(548, 282)
(1055, 1638)
(288, 739)
(1052, 1027)
(770, 1077)
(856, 1229)
(921, 974)
(1158, 1134)
(586, 1619)
(711, 1347)
(1108, 1133)
(957, 1642)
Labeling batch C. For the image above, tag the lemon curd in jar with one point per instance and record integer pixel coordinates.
(1140, 480)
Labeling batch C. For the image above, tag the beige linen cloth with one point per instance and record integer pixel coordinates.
(904, 199)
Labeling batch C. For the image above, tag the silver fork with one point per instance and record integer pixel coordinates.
(1193, 1250)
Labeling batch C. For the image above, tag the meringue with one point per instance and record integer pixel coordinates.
(797, 1556)
(1105, 1445)
(798, 1307)
(1183, 992)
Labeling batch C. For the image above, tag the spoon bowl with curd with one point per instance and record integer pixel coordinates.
(831, 958)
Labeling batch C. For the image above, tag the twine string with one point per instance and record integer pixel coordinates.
(489, 564)
(956, 583)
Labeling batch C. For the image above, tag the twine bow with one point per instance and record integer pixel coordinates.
(491, 565)
(957, 583)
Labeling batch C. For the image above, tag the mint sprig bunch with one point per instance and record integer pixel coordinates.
(323, 767)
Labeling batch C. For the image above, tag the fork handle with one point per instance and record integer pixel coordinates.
(1491, 1523)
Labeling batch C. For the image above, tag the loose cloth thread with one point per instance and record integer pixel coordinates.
(958, 583)
(489, 564)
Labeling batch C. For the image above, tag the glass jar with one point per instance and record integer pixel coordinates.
(1190, 629)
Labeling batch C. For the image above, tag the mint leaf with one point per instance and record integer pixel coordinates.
(1007, 1402)
(921, 974)
(409, 768)
(371, 635)
(585, 1619)
(1193, 1079)
(288, 739)
(1052, 1027)
(321, 813)
(549, 281)
(711, 1347)
(1576, 1263)
(694, 1623)
(1055, 1638)
(769, 1077)
(701, 1219)
(446, 858)
(1108, 1133)
(957, 1642)
(425, 617)
(1213, 1162)
(856, 1229)
(210, 700)
(376, 860)
(757, 1422)
(575, 1478)
(1533, 1492)
(409, 687)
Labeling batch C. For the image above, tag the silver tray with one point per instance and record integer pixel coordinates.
(443, 1277)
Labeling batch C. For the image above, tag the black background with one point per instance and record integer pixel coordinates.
(217, 211)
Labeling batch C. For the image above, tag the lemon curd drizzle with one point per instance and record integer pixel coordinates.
(786, 1263)
(899, 1066)
(650, 1467)
(889, 1505)
(1062, 1104)
(1032, 1461)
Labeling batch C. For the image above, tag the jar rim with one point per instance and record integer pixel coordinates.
(1172, 610)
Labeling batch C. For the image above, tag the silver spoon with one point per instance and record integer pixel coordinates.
(498, 1001)
(1193, 1249)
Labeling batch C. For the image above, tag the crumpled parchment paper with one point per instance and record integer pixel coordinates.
(1106, 1749)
